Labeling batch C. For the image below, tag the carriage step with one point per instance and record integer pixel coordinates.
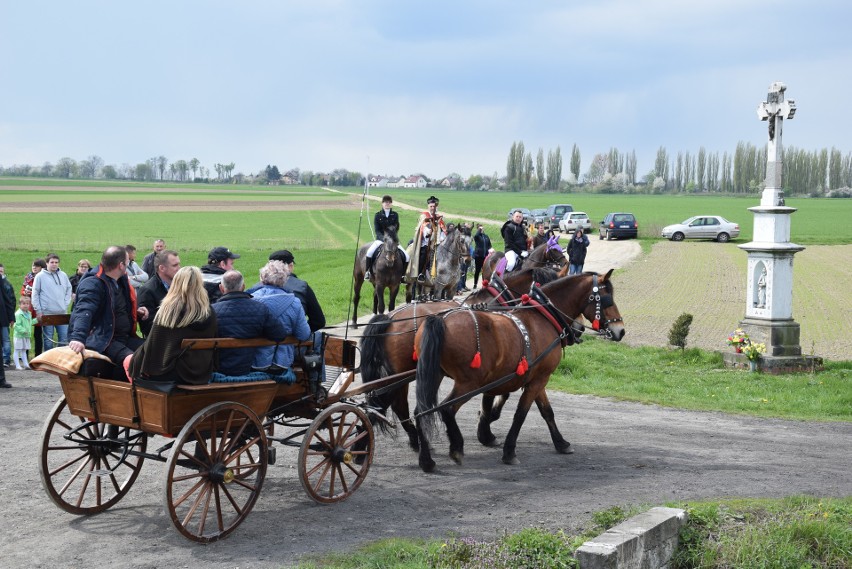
(270, 455)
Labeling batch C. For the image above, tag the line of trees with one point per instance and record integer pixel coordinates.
(522, 175)
(744, 171)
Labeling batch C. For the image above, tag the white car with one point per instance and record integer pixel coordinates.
(703, 227)
(574, 219)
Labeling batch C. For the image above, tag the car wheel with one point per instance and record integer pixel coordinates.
(600, 235)
(678, 236)
(723, 238)
(608, 236)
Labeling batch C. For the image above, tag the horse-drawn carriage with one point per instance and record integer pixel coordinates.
(215, 440)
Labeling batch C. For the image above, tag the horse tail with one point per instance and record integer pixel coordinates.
(429, 372)
(375, 365)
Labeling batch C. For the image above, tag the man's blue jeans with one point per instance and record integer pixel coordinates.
(7, 346)
(61, 333)
(575, 269)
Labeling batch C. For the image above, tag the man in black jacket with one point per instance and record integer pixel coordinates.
(514, 239)
(386, 219)
(151, 294)
(240, 316)
(219, 261)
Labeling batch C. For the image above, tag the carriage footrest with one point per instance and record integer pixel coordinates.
(270, 455)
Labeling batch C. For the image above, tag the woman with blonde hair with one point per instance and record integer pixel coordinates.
(184, 313)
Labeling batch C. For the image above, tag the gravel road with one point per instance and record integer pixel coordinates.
(625, 453)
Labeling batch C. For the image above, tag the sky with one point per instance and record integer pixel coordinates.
(399, 87)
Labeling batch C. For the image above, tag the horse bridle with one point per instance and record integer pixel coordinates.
(601, 301)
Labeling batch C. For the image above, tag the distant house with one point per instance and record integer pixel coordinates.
(288, 180)
(414, 182)
(377, 182)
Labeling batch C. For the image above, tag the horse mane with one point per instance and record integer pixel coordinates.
(543, 275)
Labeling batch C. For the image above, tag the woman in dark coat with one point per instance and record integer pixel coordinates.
(577, 252)
(184, 313)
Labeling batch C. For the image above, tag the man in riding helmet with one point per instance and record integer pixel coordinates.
(384, 220)
(514, 239)
(430, 231)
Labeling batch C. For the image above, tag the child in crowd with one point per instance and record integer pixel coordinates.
(23, 329)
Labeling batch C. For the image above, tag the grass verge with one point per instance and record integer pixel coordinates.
(798, 531)
(697, 379)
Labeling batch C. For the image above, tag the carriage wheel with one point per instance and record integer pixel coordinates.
(86, 467)
(336, 453)
(215, 471)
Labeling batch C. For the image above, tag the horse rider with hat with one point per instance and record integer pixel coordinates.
(429, 233)
(384, 220)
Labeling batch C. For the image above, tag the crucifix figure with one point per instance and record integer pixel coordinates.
(774, 110)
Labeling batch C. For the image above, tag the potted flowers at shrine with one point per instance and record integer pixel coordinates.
(738, 339)
(752, 353)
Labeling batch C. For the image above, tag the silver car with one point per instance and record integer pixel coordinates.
(703, 227)
(573, 220)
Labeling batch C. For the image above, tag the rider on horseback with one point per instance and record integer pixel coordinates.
(430, 231)
(514, 239)
(384, 220)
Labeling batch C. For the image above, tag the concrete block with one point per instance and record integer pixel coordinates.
(645, 541)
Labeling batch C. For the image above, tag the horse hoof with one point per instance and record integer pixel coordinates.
(457, 457)
(492, 442)
(427, 466)
(565, 449)
(511, 461)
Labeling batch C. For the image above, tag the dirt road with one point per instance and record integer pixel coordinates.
(624, 454)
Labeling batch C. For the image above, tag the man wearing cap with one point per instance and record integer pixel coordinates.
(385, 219)
(300, 288)
(430, 231)
(219, 261)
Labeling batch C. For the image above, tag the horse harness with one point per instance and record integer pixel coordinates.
(601, 301)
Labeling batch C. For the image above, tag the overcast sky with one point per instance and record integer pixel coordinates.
(398, 87)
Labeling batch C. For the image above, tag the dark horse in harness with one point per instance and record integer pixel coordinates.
(548, 254)
(387, 345)
(388, 269)
(498, 353)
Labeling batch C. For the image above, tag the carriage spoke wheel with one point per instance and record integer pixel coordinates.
(215, 471)
(85, 466)
(336, 453)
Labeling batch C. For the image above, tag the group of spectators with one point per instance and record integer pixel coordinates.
(166, 303)
(518, 244)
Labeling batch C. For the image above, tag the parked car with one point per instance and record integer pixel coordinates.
(555, 213)
(525, 211)
(538, 216)
(574, 219)
(703, 227)
(618, 225)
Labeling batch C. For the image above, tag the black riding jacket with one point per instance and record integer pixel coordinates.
(382, 223)
(514, 237)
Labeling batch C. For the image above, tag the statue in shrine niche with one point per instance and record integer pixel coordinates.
(761, 290)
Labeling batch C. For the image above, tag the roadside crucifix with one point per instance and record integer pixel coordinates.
(769, 289)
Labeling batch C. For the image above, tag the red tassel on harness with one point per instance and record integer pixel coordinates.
(414, 355)
(485, 284)
(596, 324)
(525, 299)
(523, 366)
(476, 362)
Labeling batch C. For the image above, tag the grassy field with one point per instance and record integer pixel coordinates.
(669, 279)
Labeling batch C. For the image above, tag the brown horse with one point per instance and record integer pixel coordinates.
(387, 345)
(387, 274)
(514, 350)
(548, 254)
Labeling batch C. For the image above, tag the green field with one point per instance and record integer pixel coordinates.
(322, 239)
